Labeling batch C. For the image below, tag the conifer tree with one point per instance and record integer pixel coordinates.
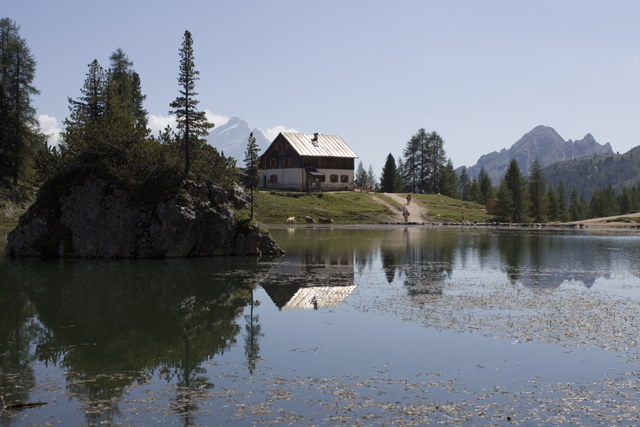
(563, 214)
(486, 186)
(516, 185)
(20, 136)
(373, 180)
(537, 200)
(399, 185)
(465, 184)
(192, 124)
(450, 182)
(387, 179)
(505, 202)
(553, 205)
(252, 164)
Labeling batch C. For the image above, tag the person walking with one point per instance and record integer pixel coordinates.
(406, 214)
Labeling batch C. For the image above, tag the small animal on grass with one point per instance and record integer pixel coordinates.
(309, 220)
(325, 220)
(291, 220)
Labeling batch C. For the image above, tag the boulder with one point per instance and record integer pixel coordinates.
(96, 217)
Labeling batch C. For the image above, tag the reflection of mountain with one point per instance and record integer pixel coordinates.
(140, 316)
(299, 281)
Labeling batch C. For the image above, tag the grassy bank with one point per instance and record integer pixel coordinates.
(346, 207)
(443, 208)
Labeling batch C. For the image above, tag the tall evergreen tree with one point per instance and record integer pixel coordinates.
(537, 199)
(192, 124)
(361, 174)
(373, 180)
(437, 156)
(465, 184)
(474, 195)
(252, 164)
(505, 202)
(486, 186)
(563, 205)
(553, 205)
(577, 207)
(516, 185)
(415, 161)
(387, 179)
(20, 136)
(450, 182)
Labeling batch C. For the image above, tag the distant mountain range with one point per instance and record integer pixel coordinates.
(542, 142)
(231, 139)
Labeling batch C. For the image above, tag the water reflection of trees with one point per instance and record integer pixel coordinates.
(423, 260)
(113, 324)
(18, 328)
(547, 259)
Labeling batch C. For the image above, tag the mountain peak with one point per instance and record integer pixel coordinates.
(542, 142)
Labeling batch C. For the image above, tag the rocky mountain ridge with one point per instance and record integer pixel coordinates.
(542, 142)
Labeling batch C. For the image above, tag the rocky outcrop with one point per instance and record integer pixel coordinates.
(94, 217)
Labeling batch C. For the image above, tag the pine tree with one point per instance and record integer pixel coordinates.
(563, 214)
(450, 182)
(252, 164)
(387, 179)
(474, 194)
(516, 184)
(553, 204)
(414, 160)
(486, 186)
(537, 200)
(373, 180)
(20, 137)
(192, 124)
(577, 207)
(437, 156)
(505, 202)
(465, 184)
(361, 174)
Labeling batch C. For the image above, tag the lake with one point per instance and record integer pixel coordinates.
(352, 326)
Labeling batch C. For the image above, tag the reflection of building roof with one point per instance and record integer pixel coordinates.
(300, 298)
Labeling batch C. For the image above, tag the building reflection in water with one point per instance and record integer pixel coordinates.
(311, 280)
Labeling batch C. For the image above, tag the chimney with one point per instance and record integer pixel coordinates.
(315, 136)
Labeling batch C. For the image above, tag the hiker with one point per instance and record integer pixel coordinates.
(408, 199)
(406, 214)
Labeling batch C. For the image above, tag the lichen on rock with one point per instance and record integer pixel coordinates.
(94, 216)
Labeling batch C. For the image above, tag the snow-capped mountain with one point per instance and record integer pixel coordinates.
(231, 139)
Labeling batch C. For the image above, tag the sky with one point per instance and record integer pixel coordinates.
(479, 73)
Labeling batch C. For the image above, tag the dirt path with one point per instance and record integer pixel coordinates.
(416, 213)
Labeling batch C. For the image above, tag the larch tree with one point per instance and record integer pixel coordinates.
(252, 165)
(191, 123)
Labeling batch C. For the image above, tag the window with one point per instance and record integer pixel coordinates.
(334, 178)
(273, 162)
(344, 178)
(273, 179)
(287, 161)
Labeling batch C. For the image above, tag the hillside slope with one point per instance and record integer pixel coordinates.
(595, 172)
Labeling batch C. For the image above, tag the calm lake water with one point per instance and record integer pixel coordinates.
(365, 326)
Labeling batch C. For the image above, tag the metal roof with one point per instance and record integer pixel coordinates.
(327, 145)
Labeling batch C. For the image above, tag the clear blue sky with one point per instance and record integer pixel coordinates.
(480, 73)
